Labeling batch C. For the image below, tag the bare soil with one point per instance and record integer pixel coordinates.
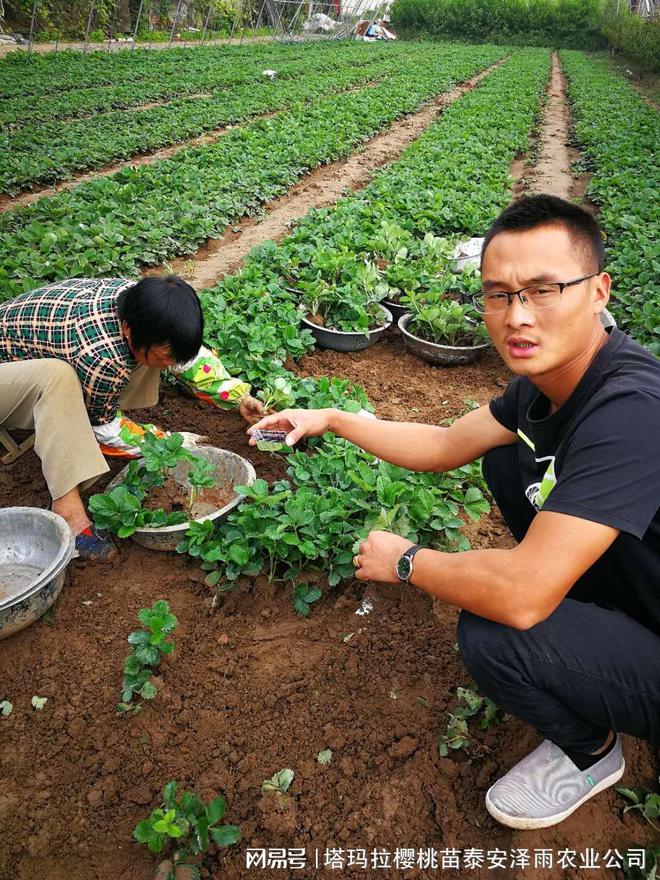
(253, 688)
(171, 497)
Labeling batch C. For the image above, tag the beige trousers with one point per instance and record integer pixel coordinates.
(45, 395)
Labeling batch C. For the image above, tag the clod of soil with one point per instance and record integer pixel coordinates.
(171, 497)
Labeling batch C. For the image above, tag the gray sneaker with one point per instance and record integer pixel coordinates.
(546, 786)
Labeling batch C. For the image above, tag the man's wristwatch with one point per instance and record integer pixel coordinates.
(404, 567)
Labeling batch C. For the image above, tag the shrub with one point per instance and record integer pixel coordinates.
(567, 23)
(637, 37)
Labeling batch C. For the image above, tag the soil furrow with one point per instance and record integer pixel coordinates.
(319, 189)
(549, 171)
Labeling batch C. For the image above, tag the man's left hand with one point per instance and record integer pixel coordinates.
(378, 557)
(251, 409)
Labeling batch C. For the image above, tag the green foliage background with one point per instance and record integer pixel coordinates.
(565, 23)
(636, 37)
(68, 18)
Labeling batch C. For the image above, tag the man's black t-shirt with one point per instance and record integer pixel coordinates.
(598, 458)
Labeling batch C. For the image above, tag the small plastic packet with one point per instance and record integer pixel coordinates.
(271, 441)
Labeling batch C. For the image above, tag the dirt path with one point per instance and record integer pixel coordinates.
(550, 169)
(319, 189)
(47, 48)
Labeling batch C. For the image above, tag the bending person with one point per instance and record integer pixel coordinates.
(75, 353)
(563, 630)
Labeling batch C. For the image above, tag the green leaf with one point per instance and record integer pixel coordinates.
(6, 708)
(324, 757)
(215, 810)
(225, 835)
(280, 781)
(142, 832)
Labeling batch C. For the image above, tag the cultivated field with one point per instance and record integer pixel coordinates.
(345, 181)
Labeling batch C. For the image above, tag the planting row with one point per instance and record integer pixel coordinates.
(22, 74)
(54, 152)
(384, 243)
(195, 76)
(619, 136)
(115, 224)
(336, 494)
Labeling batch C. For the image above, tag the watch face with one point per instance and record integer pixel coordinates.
(404, 568)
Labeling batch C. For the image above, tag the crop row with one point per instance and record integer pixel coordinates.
(23, 74)
(146, 214)
(53, 152)
(190, 79)
(619, 136)
(453, 179)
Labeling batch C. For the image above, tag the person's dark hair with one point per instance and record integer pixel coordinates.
(163, 311)
(544, 210)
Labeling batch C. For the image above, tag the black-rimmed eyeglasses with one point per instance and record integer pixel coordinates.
(536, 296)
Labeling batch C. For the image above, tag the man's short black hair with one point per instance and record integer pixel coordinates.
(163, 311)
(544, 210)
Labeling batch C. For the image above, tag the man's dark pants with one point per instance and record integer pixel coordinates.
(575, 676)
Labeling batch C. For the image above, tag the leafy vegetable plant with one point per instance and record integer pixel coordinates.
(644, 801)
(189, 825)
(150, 645)
(280, 781)
(121, 511)
(458, 735)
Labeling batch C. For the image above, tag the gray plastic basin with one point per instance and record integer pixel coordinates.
(440, 355)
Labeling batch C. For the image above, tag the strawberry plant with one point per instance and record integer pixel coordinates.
(278, 395)
(280, 781)
(133, 217)
(458, 735)
(446, 322)
(188, 827)
(339, 494)
(619, 133)
(150, 645)
(303, 597)
(646, 802)
(122, 510)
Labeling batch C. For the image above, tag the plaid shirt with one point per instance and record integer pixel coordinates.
(74, 321)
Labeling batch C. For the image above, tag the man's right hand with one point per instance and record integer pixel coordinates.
(297, 423)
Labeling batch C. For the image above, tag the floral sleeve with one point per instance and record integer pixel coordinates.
(206, 377)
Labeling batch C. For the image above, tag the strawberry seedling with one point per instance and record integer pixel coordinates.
(122, 510)
(189, 825)
(278, 395)
(645, 801)
(280, 781)
(271, 441)
(458, 735)
(149, 647)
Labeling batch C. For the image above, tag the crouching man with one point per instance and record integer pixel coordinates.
(563, 630)
(75, 353)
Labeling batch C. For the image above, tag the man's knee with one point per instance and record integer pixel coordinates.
(484, 644)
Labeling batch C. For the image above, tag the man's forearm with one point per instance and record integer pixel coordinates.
(485, 582)
(406, 444)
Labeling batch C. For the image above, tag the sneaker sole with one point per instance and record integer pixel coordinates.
(526, 823)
